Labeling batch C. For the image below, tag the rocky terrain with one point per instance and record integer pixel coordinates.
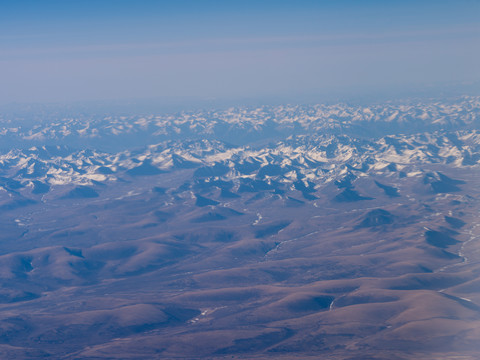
(332, 231)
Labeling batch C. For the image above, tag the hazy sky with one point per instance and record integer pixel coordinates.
(98, 49)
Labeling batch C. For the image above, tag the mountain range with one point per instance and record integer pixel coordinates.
(332, 231)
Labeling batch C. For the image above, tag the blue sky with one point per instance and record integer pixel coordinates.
(93, 50)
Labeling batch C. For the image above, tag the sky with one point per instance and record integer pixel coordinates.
(62, 51)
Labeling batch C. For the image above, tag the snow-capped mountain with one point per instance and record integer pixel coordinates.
(283, 143)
